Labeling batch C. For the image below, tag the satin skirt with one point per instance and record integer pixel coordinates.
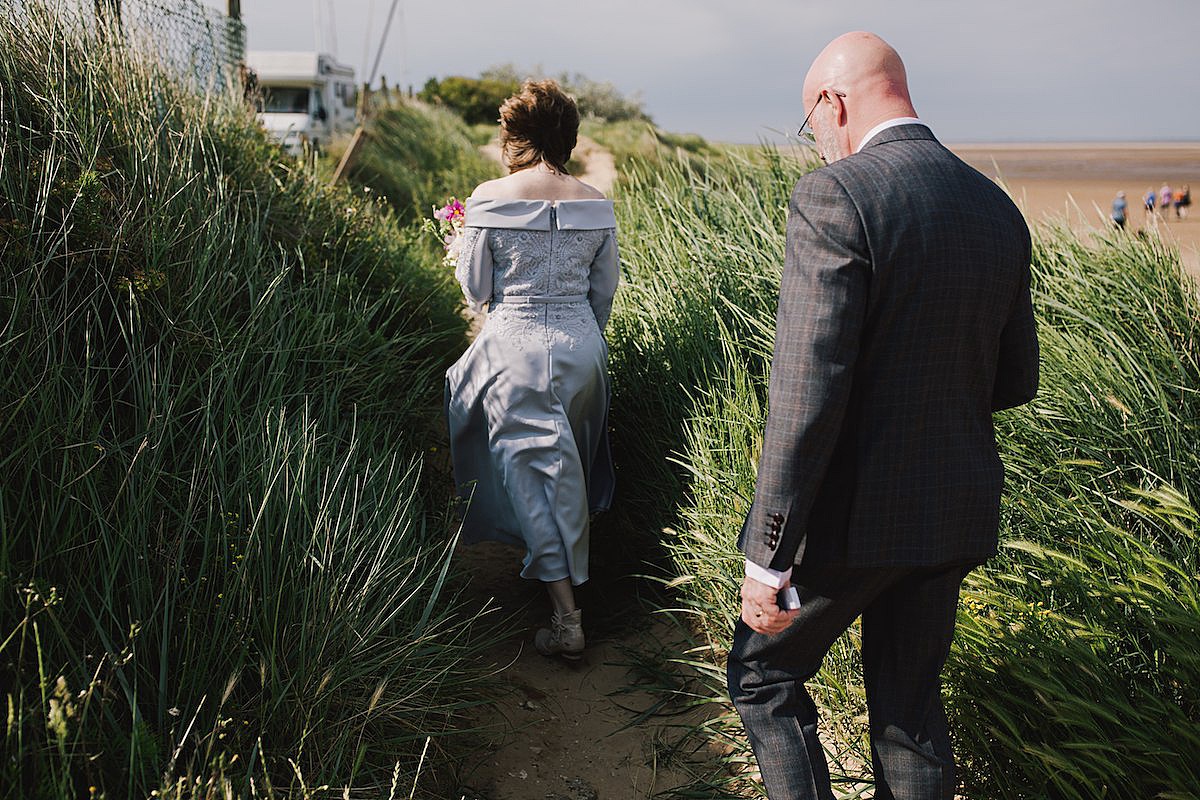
(527, 408)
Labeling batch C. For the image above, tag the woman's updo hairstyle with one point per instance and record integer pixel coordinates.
(538, 123)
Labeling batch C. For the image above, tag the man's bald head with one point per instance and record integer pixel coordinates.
(863, 79)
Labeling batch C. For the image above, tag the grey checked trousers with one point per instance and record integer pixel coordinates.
(907, 625)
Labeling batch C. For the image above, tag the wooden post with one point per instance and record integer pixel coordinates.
(235, 36)
(360, 136)
(363, 95)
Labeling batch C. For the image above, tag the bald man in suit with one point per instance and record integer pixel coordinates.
(904, 321)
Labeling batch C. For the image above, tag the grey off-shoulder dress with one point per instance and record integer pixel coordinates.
(527, 403)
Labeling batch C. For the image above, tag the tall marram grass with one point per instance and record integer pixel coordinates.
(690, 287)
(217, 565)
(416, 155)
(1073, 670)
(1079, 645)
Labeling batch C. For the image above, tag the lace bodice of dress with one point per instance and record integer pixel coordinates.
(517, 250)
(542, 263)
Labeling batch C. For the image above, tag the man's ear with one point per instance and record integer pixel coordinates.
(839, 107)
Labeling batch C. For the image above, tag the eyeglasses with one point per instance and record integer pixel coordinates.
(805, 133)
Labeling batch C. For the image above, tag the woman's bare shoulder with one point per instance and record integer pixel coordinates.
(492, 190)
(589, 192)
(536, 187)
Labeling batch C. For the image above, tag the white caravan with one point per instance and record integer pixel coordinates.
(306, 98)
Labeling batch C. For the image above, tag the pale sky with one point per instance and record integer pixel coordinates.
(731, 70)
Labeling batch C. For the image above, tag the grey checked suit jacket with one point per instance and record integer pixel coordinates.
(904, 320)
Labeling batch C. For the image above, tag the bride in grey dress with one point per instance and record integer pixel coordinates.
(527, 403)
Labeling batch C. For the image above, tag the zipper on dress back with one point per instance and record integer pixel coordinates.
(553, 225)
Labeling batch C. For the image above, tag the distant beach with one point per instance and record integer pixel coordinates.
(1077, 182)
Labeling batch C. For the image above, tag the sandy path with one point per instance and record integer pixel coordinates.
(564, 732)
(599, 166)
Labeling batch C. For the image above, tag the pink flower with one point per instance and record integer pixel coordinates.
(450, 212)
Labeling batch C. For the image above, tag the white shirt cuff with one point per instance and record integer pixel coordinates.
(767, 575)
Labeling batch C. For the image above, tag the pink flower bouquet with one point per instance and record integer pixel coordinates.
(447, 224)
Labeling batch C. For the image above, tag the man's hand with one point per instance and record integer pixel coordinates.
(761, 611)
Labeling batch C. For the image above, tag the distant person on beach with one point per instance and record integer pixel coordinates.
(1150, 201)
(527, 403)
(1183, 199)
(1164, 199)
(1119, 207)
(904, 321)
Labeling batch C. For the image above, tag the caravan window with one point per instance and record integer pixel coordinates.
(285, 99)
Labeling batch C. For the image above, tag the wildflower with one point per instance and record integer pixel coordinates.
(62, 709)
(450, 222)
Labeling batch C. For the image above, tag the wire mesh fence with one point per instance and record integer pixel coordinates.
(200, 45)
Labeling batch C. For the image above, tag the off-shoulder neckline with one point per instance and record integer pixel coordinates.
(551, 203)
(579, 214)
